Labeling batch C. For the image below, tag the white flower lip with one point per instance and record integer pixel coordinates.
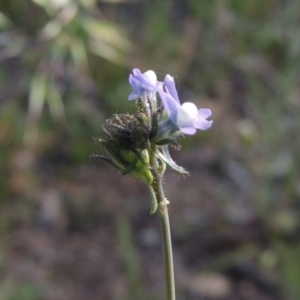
(151, 77)
(186, 114)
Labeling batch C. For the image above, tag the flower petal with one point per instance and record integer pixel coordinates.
(151, 77)
(204, 112)
(201, 123)
(186, 115)
(171, 88)
(170, 104)
(133, 82)
(133, 96)
(135, 86)
(136, 71)
(188, 130)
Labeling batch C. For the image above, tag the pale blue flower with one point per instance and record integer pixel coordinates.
(186, 117)
(143, 84)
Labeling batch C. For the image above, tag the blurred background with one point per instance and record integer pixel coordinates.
(73, 229)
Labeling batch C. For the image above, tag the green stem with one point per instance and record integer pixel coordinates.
(165, 227)
(167, 246)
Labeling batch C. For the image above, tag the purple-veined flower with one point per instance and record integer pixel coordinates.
(143, 84)
(184, 117)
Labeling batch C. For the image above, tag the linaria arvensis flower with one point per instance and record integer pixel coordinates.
(185, 118)
(129, 137)
(143, 85)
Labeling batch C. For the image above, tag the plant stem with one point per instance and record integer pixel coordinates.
(167, 246)
(165, 227)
